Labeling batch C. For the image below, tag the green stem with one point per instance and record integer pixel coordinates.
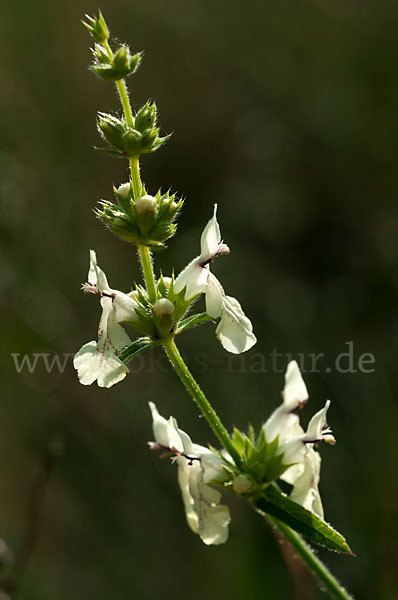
(314, 564)
(148, 273)
(124, 99)
(136, 183)
(122, 89)
(193, 388)
(135, 177)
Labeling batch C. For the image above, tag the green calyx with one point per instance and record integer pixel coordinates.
(97, 28)
(261, 462)
(130, 142)
(156, 319)
(143, 319)
(162, 319)
(115, 66)
(148, 220)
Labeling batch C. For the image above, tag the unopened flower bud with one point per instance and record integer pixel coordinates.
(112, 129)
(124, 191)
(121, 59)
(146, 204)
(241, 484)
(146, 209)
(146, 117)
(132, 142)
(124, 197)
(97, 28)
(163, 313)
(163, 308)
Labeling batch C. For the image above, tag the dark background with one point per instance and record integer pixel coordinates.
(286, 115)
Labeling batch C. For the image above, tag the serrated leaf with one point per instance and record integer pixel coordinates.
(135, 348)
(276, 504)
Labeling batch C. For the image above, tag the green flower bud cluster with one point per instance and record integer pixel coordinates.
(97, 28)
(261, 462)
(165, 290)
(159, 319)
(156, 320)
(130, 142)
(148, 220)
(116, 66)
(143, 319)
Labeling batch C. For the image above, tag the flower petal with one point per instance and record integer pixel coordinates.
(125, 307)
(204, 514)
(97, 360)
(168, 435)
(212, 464)
(184, 474)
(211, 238)
(85, 363)
(214, 296)
(160, 427)
(194, 278)
(305, 490)
(235, 330)
(316, 430)
(109, 329)
(178, 436)
(93, 364)
(283, 422)
(96, 276)
(295, 392)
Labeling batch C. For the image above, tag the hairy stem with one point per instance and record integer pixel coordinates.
(122, 89)
(124, 99)
(316, 566)
(135, 177)
(144, 252)
(204, 405)
(147, 270)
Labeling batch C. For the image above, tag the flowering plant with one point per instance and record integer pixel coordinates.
(253, 465)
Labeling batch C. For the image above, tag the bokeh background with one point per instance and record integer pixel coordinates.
(286, 115)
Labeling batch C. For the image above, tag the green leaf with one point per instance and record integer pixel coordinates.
(135, 348)
(110, 152)
(278, 505)
(192, 321)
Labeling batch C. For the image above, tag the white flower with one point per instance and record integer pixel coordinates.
(296, 445)
(234, 330)
(305, 490)
(197, 466)
(283, 421)
(97, 360)
(294, 449)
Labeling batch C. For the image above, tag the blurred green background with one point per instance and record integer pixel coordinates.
(286, 115)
